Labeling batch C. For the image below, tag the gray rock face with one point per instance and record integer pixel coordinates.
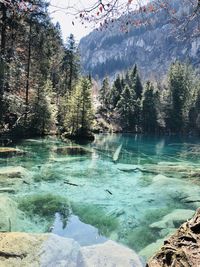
(152, 47)
(42, 250)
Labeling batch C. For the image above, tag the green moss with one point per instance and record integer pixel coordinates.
(45, 206)
(95, 216)
(47, 176)
(140, 237)
(154, 215)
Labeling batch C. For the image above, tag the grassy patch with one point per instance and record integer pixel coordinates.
(47, 176)
(95, 216)
(45, 206)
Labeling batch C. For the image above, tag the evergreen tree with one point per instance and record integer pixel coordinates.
(86, 110)
(71, 64)
(126, 109)
(104, 93)
(135, 82)
(181, 89)
(116, 91)
(44, 111)
(79, 112)
(150, 109)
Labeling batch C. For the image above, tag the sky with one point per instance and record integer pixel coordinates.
(65, 19)
(60, 12)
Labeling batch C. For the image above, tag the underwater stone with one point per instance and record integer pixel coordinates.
(14, 177)
(72, 150)
(7, 190)
(128, 167)
(10, 152)
(149, 250)
(177, 216)
(13, 172)
(167, 231)
(8, 214)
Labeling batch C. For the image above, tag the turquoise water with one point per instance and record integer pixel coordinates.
(152, 178)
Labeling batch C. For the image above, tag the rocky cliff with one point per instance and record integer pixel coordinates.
(153, 45)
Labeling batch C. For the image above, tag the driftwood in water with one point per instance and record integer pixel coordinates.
(108, 191)
(66, 182)
(134, 168)
(117, 153)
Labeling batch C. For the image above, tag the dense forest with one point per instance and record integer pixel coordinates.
(43, 92)
(169, 106)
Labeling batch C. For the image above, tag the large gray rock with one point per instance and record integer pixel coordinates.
(49, 250)
(37, 250)
(109, 254)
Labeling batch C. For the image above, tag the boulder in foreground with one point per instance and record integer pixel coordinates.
(181, 249)
(42, 250)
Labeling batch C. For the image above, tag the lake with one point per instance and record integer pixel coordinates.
(139, 200)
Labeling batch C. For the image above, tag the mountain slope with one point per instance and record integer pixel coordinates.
(153, 46)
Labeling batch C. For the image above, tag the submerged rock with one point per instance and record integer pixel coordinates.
(42, 250)
(7, 190)
(129, 167)
(72, 150)
(149, 250)
(182, 248)
(193, 200)
(10, 152)
(13, 172)
(12, 178)
(171, 220)
(8, 214)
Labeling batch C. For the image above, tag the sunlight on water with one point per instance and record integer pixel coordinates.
(80, 192)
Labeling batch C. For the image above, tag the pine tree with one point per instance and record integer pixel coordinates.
(116, 91)
(150, 109)
(181, 89)
(44, 111)
(126, 109)
(104, 93)
(135, 82)
(79, 116)
(71, 64)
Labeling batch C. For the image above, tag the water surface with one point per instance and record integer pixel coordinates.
(120, 201)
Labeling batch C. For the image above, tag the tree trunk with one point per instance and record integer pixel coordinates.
(2, 57)
(28, 67)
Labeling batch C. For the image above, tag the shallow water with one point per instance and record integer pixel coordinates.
(117, 201)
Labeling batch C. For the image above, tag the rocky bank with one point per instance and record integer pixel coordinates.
(182, 249)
